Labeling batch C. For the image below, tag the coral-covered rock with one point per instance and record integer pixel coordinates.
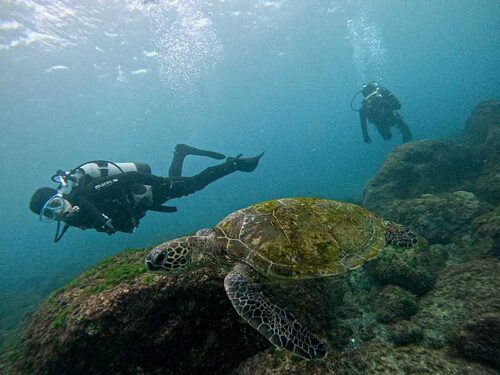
(405, 332)
(418, 168)
(376, 358)
(479, 339)
(482, 135)
(465, 249)
(116, 318)
(414, 269)
(394, 304)
(487, 227)
(490, 149)
(461, 292)
(440, 218)
(487, 185)
(484, 119)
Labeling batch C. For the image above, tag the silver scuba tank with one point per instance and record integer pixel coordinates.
(102, 168)
(97, 169)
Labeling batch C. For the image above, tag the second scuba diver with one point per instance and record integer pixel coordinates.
(380, 107)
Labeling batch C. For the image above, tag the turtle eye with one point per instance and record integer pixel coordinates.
(159, 258)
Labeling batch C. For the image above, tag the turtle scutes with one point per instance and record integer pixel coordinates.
(292, 238)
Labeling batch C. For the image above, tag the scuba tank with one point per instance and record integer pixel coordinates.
(101, 168)
(96, 169)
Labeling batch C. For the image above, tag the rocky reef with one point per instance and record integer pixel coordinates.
(116, 318)
(429, 309)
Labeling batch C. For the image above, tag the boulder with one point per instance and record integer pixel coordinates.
(479, 339)
(376, 358)
(484, 119)
(117, 319)
(394, 304)
(487, 227)
(461, 293)
(440, 218)
(424, 167)
(414, 269)
(482, 136)
(405, 332)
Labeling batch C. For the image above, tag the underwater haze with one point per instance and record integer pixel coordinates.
(125, 80)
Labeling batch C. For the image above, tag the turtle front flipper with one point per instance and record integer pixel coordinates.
(277, 324)
(396, 234)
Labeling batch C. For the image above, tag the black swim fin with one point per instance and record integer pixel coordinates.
(184, 150)
(245, 164)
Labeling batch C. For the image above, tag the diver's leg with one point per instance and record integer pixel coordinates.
(176, 165)
(405, 131)
(177, 186)
(181, 151)
(384, 131)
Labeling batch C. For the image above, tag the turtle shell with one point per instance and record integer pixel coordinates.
(297, 238)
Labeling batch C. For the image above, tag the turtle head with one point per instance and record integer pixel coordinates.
(183, 254)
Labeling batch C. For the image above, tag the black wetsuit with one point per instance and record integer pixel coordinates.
(380, 109)
(118, 202)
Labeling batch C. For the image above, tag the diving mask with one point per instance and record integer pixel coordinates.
(53, 207)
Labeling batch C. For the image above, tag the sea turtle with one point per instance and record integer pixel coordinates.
(282, 239)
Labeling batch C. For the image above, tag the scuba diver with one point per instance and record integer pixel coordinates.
(113, 197)
(379, 107)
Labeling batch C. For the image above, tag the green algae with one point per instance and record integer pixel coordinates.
(123, 267)
(60, 318)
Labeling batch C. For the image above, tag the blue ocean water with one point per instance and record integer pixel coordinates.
(127, 80)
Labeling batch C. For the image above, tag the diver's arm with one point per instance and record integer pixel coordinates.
(108, 188)
(93, 216)
(364, 126)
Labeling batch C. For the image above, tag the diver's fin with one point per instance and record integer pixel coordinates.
(245, 164)
(184, 150)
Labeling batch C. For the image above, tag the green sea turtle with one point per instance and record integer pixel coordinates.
(282, 239)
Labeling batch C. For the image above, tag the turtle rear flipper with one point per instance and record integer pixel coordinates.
(277, 324)
(396, 234)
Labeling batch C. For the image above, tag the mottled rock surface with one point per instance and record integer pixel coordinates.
(424, 167)
(116, 318)
(405, 332)
(462, 292)
(484, 119)
(437, 216)
(394, 304)
(376, 358)
(414, 269)
(479, 339)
